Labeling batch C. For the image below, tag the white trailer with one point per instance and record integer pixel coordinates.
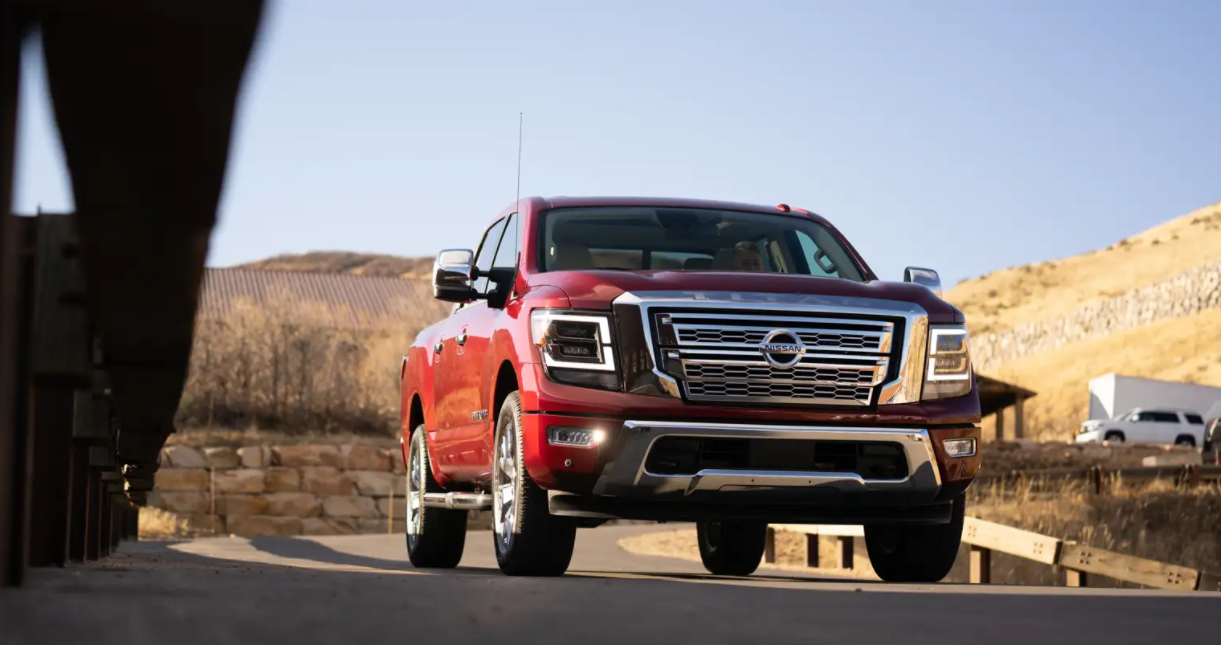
(1114, 394)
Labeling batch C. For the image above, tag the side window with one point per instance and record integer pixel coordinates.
(506, 255)
(1195, 419)
(487, 251)
(820, 264)
(1165, 417)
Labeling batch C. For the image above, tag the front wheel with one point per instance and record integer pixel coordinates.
(731, 548)
(530, 541)
(916, 553)
(436, 537)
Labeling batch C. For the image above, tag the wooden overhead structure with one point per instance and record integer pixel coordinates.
(97, 308)
(996, 396)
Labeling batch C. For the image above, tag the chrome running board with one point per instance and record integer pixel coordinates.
(459, 501)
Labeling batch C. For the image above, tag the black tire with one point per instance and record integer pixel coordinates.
(731, 548)
(1114, 436)
(1185, 440)
(916, 553)
(529, 540)
(440, 533)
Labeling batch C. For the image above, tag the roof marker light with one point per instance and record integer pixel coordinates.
(782, 207)
(802, 211)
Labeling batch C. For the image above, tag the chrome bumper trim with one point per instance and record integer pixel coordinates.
(626, 475)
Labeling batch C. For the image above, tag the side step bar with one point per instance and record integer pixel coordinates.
(459, 501)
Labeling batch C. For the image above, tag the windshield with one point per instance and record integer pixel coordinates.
(646, 238)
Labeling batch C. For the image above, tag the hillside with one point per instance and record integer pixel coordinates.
(1018, 295)
(345, 262)
(1183, 348)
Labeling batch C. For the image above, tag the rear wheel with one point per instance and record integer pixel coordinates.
(530, 541)
(916, 553)
(1185, 440)
(435, 536)
(1113, 436)
(731, 548)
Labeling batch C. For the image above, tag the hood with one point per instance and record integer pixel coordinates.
(596, 289)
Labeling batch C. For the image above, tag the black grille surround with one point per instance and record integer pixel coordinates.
(716, 357)
(686, 456)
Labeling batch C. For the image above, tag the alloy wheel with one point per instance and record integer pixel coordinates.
(504, 488)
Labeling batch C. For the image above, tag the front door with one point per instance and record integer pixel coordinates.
(463, 351)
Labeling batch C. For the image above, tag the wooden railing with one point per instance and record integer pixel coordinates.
(1078, 561)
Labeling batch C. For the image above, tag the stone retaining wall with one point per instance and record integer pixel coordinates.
(1184, 294)
(283, 490)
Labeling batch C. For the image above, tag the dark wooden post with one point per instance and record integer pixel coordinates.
(812, 550)
(981, 565)
(1019, 417)
(769, 546)
(845, 550)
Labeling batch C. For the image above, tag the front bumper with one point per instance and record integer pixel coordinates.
(627, 475)
(614, 480)
(1089, 436)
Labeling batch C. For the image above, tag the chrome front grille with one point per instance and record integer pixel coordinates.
(721, 356)
(706, 335)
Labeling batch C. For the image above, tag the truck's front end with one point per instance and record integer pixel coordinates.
(739, 368)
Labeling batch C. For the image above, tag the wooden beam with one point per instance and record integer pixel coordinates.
(1006, 539)
(1149, 573)
(1000, 424)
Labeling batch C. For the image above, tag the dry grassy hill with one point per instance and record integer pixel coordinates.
(1180, 349)
(346, 262)
(1014, 296)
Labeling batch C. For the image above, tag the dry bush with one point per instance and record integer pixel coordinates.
(294, 367)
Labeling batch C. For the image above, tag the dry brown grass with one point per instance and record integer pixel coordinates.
(1019, 295)
(287, 367)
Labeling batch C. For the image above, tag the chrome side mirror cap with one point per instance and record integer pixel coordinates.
(452, 274)
(923, 277)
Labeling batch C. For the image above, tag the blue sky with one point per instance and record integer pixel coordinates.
(965, 136)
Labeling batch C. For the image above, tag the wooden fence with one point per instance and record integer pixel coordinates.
(1078, 561)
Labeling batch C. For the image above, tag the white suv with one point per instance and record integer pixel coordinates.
(1178, 427)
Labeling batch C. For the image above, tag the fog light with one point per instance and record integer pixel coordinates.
(959, 447)
(574, 437)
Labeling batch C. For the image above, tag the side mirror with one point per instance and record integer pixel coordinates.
(923, 277)
(452, 274)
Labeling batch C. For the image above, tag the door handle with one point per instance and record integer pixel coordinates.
(462, 338)
(437, 347)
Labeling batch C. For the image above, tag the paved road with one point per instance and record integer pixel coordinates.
(360, 590)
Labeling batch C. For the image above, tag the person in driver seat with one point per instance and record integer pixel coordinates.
(746, 258)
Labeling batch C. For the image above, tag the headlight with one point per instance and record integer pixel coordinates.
(576, 347)
(949, 363)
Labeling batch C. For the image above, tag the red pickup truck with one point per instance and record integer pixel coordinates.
(692, 361)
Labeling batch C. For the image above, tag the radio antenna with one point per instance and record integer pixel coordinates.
(519, 124)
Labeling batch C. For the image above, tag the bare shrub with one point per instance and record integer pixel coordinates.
(285, 365)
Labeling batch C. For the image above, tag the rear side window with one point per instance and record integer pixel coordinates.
(1165, 417)
(1195, 419)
